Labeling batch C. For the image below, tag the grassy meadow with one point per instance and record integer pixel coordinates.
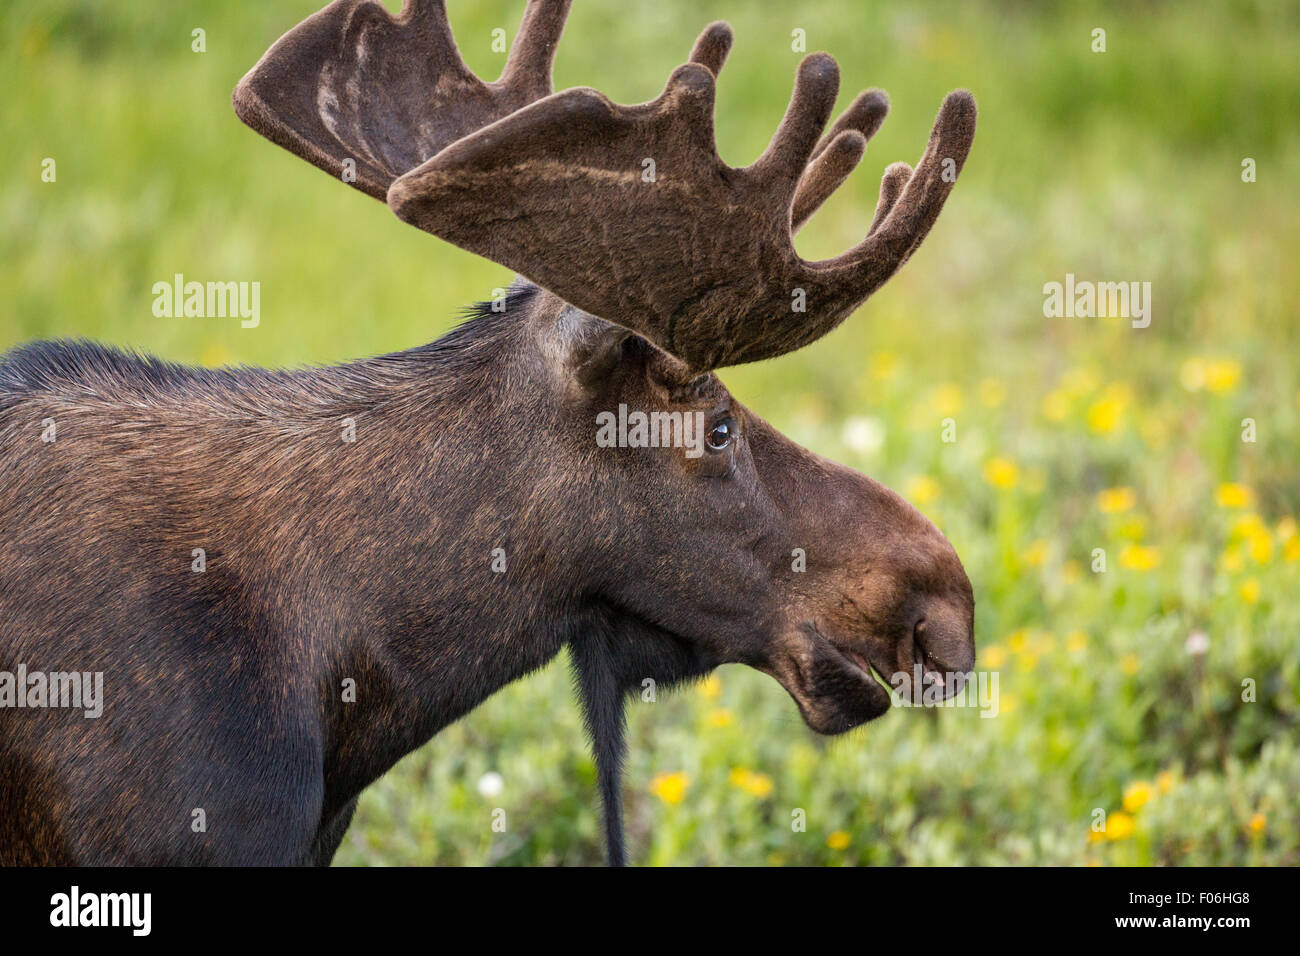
(1147, 713)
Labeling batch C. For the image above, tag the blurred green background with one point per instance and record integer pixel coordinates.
(1121, 691)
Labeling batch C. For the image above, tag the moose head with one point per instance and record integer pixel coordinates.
(634, 288)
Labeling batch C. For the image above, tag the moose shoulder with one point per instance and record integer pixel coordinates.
(289, 580)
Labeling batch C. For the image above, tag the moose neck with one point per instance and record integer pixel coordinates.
(439, 555)
(427, 569)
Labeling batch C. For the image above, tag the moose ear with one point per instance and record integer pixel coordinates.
(589, 349)
(600, 349)
(593, 364)
(594, 350)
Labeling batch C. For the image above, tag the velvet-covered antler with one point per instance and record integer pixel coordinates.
(697, 257)
(353, 82)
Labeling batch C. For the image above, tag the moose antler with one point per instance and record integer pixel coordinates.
(354, 82)
(698, 258)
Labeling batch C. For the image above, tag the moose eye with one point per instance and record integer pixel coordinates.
(721, 434)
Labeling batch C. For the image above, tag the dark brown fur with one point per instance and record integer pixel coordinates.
(372, 560)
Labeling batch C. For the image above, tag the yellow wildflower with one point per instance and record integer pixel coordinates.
(1035, 554)
(1230, 494)
(1257, 823)
(921, 490)
(945, 400)
(1250, 590)
(1130, 664)
(1165, 781)
(1119, 826)
(1289, 535)
(839, 840)
(1136, 557)
(1076, 641)
(1137, 795)
(1114, 500)
(670, 787)
(755, 784)
(711, 687)
(1251, 529)
(1232, 560)
(994, 657)
(1106, 414)
(1001, 473)
(1248, 524)
(1222, 375)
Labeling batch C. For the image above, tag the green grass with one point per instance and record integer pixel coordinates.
(1117, 166)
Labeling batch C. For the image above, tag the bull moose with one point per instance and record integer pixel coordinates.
(213, 545)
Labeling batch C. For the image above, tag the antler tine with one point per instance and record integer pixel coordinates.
(891, 187)
(367, 96)
(429, 14)
(783, 163)
(825, 174)
(908, 218)
(865, 115)
(712, 47)
(838, 154)
(528, 66)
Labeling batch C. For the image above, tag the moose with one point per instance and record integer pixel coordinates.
(213, 544)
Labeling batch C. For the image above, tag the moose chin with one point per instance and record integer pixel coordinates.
(292, 579)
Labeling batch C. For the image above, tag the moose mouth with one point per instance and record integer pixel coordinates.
(926, 671)
(838, 685)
